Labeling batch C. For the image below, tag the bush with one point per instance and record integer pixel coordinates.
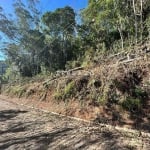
(72, 64)
(102, 100)
(17, 90)
(58, 96)
(140, 93)
(67, 92)
(69, 89)
(132, 104)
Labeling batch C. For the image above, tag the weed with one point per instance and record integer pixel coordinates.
(102, 100)
(140, 93)
(58, 96)
(69, 89)
(67, 92)
(132, 104)
(17, 90)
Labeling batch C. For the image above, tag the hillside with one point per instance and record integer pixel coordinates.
(114, 90)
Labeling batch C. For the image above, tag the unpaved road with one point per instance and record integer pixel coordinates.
(22, 128)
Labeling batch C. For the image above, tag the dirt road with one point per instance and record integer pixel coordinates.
(22, 128)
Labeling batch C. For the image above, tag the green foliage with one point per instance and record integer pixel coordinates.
(102, 100)
(148, 25)
(132, 104)
(61, 21)
(72, 64)
(68, 91)
(11, 74)
(140, 93)
(60, 29)
(58, 95)
(54, 40)
(17, 90)
(23, 48)
(110, 21)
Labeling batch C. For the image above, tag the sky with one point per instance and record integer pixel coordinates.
(45, 5)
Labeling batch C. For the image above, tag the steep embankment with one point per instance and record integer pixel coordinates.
(115, 90)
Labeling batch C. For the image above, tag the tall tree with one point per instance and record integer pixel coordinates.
(123, 16)
(24, 36)
(60, 30)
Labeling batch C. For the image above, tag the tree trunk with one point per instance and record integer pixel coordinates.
(141, 14)
(135, 19)
(121, 36)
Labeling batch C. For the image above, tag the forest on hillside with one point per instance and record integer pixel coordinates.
(43, 43)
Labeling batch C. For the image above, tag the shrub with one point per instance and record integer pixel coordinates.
(67, 92)
(58, 95)
(17, 90)
(131, 104)
(72, 64)
(102, 100)
(140, 93)
(69, 89)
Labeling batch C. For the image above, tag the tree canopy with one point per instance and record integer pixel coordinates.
(54, 39)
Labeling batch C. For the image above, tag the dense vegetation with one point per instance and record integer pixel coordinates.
(39, 43)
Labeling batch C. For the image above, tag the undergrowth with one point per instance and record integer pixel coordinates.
(123, 85)
(67, 92)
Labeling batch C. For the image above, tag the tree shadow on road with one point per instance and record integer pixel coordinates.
(62, 138)
(9, 114)
(31, 134)
(40, 140)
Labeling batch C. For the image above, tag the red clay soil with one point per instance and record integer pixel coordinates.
(71, 109)
(105, 115)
